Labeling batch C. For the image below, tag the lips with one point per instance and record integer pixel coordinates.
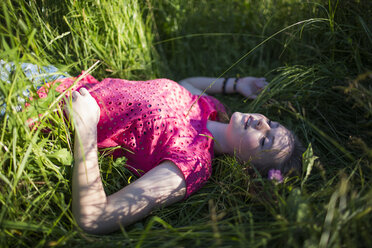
(248, 122)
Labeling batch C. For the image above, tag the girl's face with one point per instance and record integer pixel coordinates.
(257, 139)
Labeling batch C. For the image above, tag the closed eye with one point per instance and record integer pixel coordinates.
(258, 124)
(263, 142)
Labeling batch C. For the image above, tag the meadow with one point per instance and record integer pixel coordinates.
(317, 56)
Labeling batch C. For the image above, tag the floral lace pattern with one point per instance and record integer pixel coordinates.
(153, 121)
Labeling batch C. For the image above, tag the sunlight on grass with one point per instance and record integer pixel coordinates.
(317, 57)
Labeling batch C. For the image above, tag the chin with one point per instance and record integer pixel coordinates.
(235, 117)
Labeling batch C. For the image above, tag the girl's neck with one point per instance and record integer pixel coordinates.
(218, 130)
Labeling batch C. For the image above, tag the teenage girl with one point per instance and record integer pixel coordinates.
(168, 133)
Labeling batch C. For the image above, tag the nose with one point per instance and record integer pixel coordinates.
(261, 124)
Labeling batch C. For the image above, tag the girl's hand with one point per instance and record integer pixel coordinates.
(85, 110)
(250, 87)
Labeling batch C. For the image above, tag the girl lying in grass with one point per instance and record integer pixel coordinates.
(169, 135)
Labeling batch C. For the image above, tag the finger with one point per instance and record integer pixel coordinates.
(252, 96)
(263, 84)
(259, 84)
(84, 91)
(262, 81)
(75, 95)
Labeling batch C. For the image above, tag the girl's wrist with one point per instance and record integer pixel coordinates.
(235, 86)
(229, 85)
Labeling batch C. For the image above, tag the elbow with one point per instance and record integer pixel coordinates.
(95, 230)
(92, 222)
(92, 226)
(88, 226)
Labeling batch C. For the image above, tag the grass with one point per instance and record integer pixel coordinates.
(317, 56)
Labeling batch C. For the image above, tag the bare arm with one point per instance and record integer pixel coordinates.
(93, 211)
(202, 83)
(247, 86)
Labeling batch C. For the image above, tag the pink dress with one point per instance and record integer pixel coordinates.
(153, 121)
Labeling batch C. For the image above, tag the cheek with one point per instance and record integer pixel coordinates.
(249, 143)
(246, 149)
(245, 144)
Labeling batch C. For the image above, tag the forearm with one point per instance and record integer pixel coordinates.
(88, 196)
(95, 212)
(210, 84)
(98, 214)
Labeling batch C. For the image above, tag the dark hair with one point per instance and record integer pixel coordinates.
(292, 165)
(223, 116)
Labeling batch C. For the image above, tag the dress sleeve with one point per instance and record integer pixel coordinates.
(193, 156)
(216, 105)
(65, 83)
(60, 86)
(196, 170)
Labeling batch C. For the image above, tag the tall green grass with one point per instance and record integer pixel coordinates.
(317, 56)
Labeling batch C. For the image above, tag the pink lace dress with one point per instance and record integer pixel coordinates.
(153, 121)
